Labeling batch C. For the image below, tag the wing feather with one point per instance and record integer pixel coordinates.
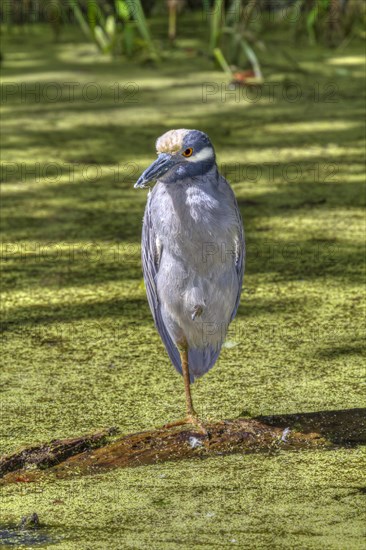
(151, 254)
(239, 249)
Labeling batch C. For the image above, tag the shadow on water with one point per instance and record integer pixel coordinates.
(116, 308)
(344, 427)
(110, 213)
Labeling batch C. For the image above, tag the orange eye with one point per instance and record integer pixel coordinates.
(188, 152)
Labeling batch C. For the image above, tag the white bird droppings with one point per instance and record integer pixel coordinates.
(194, 442)
(285, 434)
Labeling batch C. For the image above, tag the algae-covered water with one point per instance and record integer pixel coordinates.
(80, 351)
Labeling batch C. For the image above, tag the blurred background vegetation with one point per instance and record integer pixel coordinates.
(235, 28)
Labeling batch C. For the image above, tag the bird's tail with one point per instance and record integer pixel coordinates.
(201, 361)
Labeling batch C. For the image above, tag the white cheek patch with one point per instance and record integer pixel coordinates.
(204, 154)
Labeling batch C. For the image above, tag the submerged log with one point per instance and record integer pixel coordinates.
(94, 454)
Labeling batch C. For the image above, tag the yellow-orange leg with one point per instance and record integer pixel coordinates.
(192, 417)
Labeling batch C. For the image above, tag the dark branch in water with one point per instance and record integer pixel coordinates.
(50, 454)
(97, 453)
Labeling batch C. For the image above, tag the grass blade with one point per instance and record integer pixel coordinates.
(220, 58)
(137, 12)
(79, 16)
(215, 24)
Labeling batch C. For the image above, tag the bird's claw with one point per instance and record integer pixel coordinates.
(189, 419)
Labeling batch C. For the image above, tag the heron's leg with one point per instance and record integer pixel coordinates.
(183, 351)
(192, 417)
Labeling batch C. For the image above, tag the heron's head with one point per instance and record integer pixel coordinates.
(181, 154)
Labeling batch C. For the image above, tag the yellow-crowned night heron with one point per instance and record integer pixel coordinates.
(192, 254)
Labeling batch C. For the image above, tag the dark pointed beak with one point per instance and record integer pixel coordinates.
(157, 169)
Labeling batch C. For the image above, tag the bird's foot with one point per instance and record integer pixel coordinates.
(189, 419)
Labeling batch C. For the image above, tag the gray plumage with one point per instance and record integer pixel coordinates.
(192, 249)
